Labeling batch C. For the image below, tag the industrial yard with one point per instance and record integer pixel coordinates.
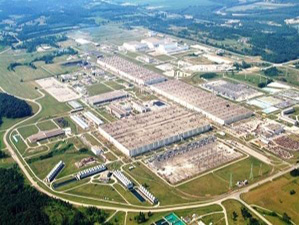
(188, 160)
(126, 127)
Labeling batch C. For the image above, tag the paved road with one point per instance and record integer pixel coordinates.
(234, 195)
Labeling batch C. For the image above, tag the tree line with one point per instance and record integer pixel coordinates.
(12, 107)
(22, 204)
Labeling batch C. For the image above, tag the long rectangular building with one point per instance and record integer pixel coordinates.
(107, 97)
(54, 172)
(43, 135)
(131, 71)
(216, 108)
(149, 131)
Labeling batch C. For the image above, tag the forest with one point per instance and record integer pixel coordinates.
(12, 107)
(22, 201)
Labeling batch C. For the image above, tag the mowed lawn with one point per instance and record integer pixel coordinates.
(97, 89)
(20, 82)
(2, 146)
(28, 131)
(235, 206)
(51, 108)
(276, 196)
(98, 191)
(47, 125)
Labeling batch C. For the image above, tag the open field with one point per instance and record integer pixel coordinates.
(235, 206)
(98, 191)
(11, 81)
(216, 219)
(47, 125)
(28, 131)
(114, 85)
(51, 108)
(118, 218)
(18, 142)
(1, 140)
(7, 161)
(276, 196)
(253, 79)
(97, 89)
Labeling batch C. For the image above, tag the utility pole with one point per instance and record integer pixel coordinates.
(251, 172)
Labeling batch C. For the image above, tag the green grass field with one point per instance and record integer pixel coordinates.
(118, 218)
(97, 89)
(28, 131)
(47, 125)
(253, 79)
(2, 146)
(216, 219)
(7, 161)
(104, 192)
(114, 85)
(276, 196)
(233, 205)
(11, 81)
(51, 108)
(20, 144)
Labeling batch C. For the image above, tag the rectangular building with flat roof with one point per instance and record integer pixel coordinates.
(216, 108)
(107, 97)
(149, 131)
(43, 135)
(131, 71)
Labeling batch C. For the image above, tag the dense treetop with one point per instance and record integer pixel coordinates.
(22, 204)
(12, 107)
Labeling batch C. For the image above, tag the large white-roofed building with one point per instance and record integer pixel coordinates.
(107, 97)
(135, 46)
(152, 130)
(216, 108)
(131, 71)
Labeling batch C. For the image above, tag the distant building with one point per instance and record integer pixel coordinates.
(107, 97)
(43, 135)
(96, 150)
(118, 110)
(123, 179)
(54, 172)
(90, 116)
(91, 171)
(81, 123)
(76, 106)
(135, 46)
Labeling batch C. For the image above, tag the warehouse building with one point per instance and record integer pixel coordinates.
(90, 116)
(80, 122)
(43, 135)
(149, 196)
(123, 179)
(118, 110)
(107, 97)
(91, 171)
(217, 109)
(76, 106)
(135, 46)
(149, 131)
(54, 172)
(131, 71)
